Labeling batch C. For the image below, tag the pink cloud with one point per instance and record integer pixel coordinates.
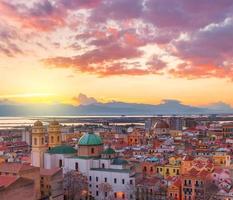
(115, 30)
(42, 16)
(208, 53)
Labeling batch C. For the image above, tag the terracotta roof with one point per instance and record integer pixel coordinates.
(193, 172)
(14, 167)
(7, 180)
(49, 172)
(148, 181)
(203, 173)
(177, 183)
(188, 158)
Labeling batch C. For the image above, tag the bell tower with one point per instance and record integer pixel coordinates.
(54, 134)
(39, 146)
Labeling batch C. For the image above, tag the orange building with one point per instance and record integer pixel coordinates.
(174, 190)
(186, 164)
(149, 168)
(194, 185)
(136, 137)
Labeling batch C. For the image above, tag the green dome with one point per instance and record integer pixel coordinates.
(90, 139)
(62, 149)
(109, 151)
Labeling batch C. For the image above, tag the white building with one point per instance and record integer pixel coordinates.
(108, 176)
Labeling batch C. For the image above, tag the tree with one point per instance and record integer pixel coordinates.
(106, 188)
(75, 185)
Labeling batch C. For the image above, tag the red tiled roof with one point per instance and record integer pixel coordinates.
(7, 180)
(14, 167)
(49, 172)
(177, 183)
(193, 172)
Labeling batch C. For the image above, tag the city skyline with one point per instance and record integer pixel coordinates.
(127, 50)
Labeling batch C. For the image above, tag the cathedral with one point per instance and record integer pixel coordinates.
(100, 165)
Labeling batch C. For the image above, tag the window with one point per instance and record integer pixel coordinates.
(106, 194)
(123, 181)
(92, 150)
(105, 180)
(115, 180)
(145, 169)
(58, 139)
(76, 166)
(151, 169)
(35, 141)
(97, 193)
(89, 178)
(131, 182)
(103, 166)
(123, 196)
(52, 139)
(97, 179)
(60, 163)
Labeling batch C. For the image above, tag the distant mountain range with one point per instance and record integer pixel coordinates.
(167, 107)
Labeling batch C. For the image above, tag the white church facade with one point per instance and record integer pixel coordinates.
(101, 166)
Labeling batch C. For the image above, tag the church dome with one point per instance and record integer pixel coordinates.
(62, 149)
(161, 124)
(109, 151)
(90, 139)
(38, 123)
(54, 123)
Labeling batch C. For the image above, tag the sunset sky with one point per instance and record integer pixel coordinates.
(140, 51)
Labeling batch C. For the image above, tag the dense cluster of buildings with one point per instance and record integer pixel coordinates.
(168, 158)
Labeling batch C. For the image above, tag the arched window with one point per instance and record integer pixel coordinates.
(52, 139)
(35, 141)
(60, 163)
(58, 139)
(76, 166)
(103, 166)
(92, 150)
(145, 169)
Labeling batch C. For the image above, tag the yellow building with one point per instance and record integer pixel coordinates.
(173, 167)
(221, 159)
(54, 134)
(39, 146)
